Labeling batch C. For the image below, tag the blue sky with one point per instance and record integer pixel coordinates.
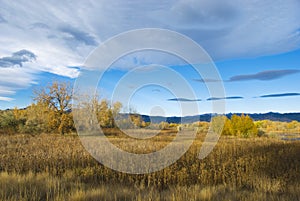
(255, 46)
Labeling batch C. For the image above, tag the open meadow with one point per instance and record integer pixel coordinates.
(57, 167)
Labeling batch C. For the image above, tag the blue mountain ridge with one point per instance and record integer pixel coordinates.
(284, 117)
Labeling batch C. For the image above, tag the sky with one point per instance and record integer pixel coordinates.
(254, 45)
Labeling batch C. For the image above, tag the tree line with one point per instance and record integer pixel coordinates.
(51, 112)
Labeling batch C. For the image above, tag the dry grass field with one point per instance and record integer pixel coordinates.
(56, 167)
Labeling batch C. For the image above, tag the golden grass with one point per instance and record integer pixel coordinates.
(54, 167)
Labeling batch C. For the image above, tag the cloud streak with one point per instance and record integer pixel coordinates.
(13, 79)
(7, 99)
(208, 99)
(156, 90)
(264, 75)
(261, 76)
(184, 100)
(225, 98)
(207, 80)
(78, 35)
(279, 95)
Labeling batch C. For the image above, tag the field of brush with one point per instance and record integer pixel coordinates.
(56, 167)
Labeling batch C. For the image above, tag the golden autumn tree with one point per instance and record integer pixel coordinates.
(241, 126)
(106, 113)
(55, 100)
(57, 96)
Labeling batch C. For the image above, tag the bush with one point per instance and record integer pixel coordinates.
(163, 125)
(9, 124)
(241, 126)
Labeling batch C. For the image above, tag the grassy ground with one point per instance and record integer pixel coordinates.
(53, 167)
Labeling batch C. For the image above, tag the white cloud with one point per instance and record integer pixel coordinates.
(7, 92)
(2, 98)
(62, 33)
(18, 77)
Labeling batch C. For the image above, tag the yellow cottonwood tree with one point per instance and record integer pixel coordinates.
(53, 106)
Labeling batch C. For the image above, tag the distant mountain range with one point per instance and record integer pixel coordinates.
(285, 117)
(273, 116)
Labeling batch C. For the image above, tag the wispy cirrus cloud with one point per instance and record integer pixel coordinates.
(5, 92)
(210, 23)
(278, 95)
(264, 75)
(14, 79)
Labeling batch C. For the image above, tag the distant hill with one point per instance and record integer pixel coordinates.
(285, 117)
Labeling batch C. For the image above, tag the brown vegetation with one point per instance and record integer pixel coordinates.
(55, 167)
